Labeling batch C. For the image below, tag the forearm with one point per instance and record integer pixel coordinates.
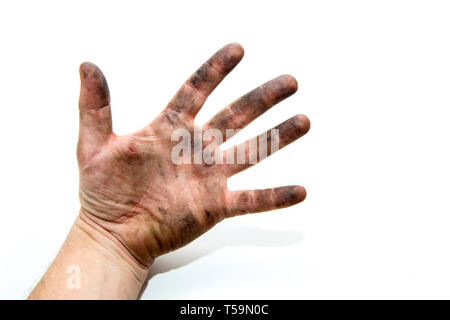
(91, 264)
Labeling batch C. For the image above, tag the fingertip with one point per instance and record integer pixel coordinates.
(290, 82)
(89, 71)
(87, 68)
(289, 195)
(228, 57)
(94, 88)
(236, 50)
(86, 64)
(302, 123)
(280, 88)
(300, 193)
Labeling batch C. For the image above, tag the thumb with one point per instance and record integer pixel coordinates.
(94, 89)
(95, 111)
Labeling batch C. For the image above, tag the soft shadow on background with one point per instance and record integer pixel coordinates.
(220, 236)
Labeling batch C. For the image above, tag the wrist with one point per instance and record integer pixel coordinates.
(91, 265)
(109, 246)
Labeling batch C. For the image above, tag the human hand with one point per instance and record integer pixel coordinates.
(130, 185)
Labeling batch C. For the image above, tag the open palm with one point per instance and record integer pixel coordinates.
(131, 186)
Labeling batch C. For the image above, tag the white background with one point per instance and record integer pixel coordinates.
(374, 79)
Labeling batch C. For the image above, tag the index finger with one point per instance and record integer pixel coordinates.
(194, 92)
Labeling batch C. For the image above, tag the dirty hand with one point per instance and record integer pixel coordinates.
(131, 186)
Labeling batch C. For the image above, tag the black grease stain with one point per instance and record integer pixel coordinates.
(161, 171)
(290, 195)
(286, 196)
(229, 61)
(187, 226)
(169, 119)
(200, 76)
(105, 91)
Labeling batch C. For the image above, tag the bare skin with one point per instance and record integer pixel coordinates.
(133, 194)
